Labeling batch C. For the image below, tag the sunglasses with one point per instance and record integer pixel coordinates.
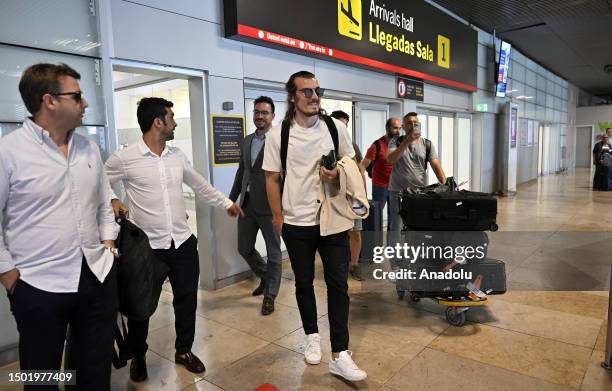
(309, 91)
(77, 95)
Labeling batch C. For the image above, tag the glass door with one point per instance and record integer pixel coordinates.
(463, 154)
(370, 121)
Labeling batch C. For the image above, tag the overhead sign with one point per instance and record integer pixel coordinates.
(412, 39)
(227, 137)
(409, 89)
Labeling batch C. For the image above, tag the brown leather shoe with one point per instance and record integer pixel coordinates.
(260, 289)
(268, 306)
(191, 362)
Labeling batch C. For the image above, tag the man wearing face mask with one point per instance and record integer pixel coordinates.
(409, 156)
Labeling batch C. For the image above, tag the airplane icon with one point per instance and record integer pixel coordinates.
(349, 12)
(349, 18)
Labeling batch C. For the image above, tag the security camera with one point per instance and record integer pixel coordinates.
(608, 68)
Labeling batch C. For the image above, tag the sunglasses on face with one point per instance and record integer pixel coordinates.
(76, 95)
(309, 91)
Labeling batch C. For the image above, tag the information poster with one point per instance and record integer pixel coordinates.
(523, 133)
(513, 126)
(529, 133)
(227, 138)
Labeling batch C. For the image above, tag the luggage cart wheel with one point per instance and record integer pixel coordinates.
(455, 318)
(400, 295)
(494, 227)
(415, 298)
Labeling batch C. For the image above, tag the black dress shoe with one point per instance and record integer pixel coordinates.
(268, 306)
(260, 289)
(138, 369)
(191, 362)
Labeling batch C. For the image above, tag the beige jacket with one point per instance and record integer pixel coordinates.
(336, 213)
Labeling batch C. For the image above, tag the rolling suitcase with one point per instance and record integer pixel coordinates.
(449, 211)
(493, 274)
(371, 234)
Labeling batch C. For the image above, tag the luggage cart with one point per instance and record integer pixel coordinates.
(456, 306)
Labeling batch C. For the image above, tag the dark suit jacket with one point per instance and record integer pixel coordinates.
(250, 173)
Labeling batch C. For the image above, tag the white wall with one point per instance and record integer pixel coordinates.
(592, 115)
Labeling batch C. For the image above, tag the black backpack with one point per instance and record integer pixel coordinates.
(370, 166)
(286, 125)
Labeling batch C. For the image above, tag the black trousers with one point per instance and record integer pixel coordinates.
(302, 244)
(184, 266)
(43, 319)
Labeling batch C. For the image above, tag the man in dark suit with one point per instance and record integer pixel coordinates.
(250, 185)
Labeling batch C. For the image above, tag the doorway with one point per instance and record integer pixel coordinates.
(130, 84)
(451, 134)
(584, 143)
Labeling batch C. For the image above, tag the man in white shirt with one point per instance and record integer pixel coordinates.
(295, 216)
(58, 233)
(153, 174)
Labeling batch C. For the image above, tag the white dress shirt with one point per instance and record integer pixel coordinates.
(55, 209)
(154, 190)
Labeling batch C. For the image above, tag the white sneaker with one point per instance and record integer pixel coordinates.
(312, 353)
(345, 366)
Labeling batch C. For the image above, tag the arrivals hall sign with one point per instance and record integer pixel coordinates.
(407, 37)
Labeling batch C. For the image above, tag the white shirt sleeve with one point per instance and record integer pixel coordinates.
(114, 172)
(272, 161)
(6, 260)
(200, 185)
(107, 226)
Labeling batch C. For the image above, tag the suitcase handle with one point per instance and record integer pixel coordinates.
(470, 214)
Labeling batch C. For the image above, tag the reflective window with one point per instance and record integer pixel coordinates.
(61, 25)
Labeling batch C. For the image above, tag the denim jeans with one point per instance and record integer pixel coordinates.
(381, 195)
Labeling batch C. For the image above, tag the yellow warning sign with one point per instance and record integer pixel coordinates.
(349, 18)
(444, 51)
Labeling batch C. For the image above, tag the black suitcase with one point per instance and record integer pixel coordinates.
(449, 211)
(493, 274)
(371, 235)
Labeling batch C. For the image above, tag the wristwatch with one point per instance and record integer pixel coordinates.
(114, 251)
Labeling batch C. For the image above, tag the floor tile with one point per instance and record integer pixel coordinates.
(378, 354)
(203, 385)
(163, 375)
(549, 360)
(408, 322)
(597, 378)
(559, 326)
(434, 370)
(248, 319)
(215, 344)
(591, 304)
(284, 369)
